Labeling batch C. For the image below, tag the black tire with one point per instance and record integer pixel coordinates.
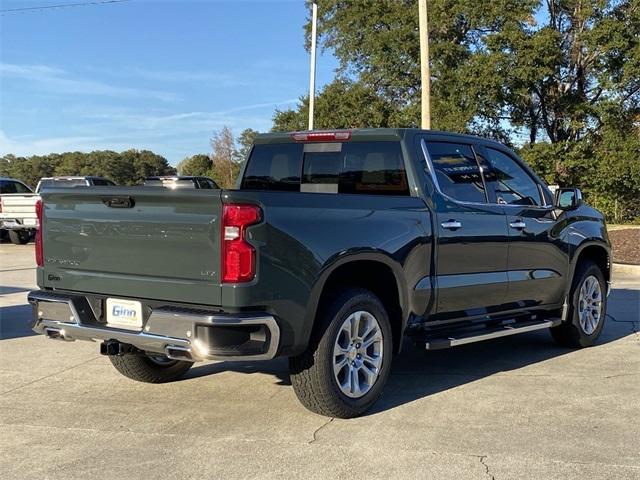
(145, 369)
(311, 372)
(570, 333)
(19, 237)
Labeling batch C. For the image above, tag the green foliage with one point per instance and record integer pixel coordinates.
(563, 75)
(197, 165)
(245, 141)
(126, 168)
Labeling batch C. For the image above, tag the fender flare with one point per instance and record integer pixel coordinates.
(345, 258)
(573, 263)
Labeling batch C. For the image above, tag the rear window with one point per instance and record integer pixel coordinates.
(62, 183)
(173, 183)
(274, 167)
(373, 168)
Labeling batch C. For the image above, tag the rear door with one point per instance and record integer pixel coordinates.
(537, 262)
(472, 237)
(134, 242)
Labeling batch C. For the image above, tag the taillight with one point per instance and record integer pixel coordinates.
(39, 255)
(238, 256)
(338, 136)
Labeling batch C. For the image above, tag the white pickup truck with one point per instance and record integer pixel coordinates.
(17, 210)
(18, 203)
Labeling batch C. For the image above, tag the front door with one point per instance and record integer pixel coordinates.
(537, 263)
(472, 236)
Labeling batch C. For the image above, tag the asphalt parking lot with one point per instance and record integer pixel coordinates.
(516, 407)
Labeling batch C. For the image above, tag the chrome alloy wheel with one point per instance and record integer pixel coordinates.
(590, 304)
(357, 354)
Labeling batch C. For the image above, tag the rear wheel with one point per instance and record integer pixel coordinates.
(150, 369)
(587, 309)
(344, 369)
(19, 237)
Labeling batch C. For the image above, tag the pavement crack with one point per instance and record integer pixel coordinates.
(49, 376)
(482, 459)
(315, 433)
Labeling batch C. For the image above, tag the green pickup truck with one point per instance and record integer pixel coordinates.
(335, 246)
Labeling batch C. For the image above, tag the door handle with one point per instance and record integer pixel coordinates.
(518, 225)
(451, 225)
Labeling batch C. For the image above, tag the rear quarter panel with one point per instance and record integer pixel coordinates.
(304, 236)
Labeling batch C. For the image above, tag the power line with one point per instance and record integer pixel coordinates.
(62, 5)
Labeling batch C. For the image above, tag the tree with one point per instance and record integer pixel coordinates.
(197, 165)
(245, 142)
(225, 168)
(341, 104)
(559, 78)
(126, 168)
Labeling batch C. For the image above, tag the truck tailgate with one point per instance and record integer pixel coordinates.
(19, 206)
(150, 243)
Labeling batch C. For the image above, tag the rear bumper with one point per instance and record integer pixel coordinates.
(15, 224)
(179, 333)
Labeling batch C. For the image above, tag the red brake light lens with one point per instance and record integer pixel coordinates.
(339, 136)
(238, 256)
(39, 254)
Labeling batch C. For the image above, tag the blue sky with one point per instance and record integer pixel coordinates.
(157, 75)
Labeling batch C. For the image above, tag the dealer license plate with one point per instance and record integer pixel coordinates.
(124, 314)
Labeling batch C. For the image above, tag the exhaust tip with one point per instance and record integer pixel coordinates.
(179, 353)
(56, 334)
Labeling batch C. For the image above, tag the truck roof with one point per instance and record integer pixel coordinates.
(369, 134)
(71, 177)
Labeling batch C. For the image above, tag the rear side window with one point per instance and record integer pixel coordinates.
(372, 168)
(203, 184)
(512, 184)
(9, 186)
(457, 171)
(102, 182)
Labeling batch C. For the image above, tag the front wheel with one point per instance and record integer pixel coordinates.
(150, 369)
(344, 369)
(587, 310)
(19, 237)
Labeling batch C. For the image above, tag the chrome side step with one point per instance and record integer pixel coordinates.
(460, 337)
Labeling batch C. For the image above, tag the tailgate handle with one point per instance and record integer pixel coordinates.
(119, 202)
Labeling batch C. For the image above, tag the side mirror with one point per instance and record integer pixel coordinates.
(568, 198)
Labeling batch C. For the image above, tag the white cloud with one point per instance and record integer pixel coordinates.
(187, 121)
(56, 80)
(174, 135)
(182, 76)
(26, 146)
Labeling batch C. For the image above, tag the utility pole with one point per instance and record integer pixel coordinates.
(425, 73)
(312, 79)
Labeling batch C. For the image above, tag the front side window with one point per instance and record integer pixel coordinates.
(511, 183)
(457, 171)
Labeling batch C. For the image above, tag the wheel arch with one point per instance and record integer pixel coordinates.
(597, 252)
(375, 271)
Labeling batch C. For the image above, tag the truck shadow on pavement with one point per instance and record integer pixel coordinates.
(418, 373)
(14, 321)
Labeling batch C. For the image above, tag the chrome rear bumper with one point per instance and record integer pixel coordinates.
(179, 333)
